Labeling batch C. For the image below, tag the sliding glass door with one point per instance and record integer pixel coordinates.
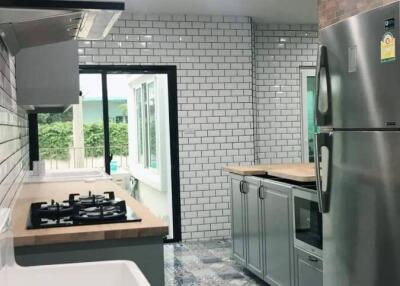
(139, 135)
(138, 112)
(125, 125)
(74, 139)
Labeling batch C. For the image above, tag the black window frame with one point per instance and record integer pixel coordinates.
(104, 70)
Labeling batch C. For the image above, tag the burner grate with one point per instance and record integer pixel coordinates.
(80, 210)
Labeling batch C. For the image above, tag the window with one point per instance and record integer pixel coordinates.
(139, 122)
(308, 89)
(84, 140)
(146, 125)
(152, 135)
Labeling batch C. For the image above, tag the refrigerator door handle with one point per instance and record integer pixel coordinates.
(323, 98)
(323, 161)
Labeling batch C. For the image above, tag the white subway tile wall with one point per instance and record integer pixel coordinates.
(213, 57)
(280, 52)
(221, 63)
(13, 133)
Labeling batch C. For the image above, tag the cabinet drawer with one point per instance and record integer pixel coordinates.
(308, 270)
(312, 260)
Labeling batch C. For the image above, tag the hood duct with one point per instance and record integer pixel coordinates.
(44, 22)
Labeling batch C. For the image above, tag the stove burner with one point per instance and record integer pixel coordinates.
(91, 199)
(77, 210)
(51, 210)
(115, 211)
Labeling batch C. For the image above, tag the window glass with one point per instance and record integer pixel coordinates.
(75, 138)
(310, 116)
(152, 140)
(146, 113)
(145, 125)
(139, 121)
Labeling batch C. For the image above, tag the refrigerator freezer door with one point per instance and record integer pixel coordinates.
(361, 231)
(364, 67)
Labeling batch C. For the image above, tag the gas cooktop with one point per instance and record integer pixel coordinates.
(80, 210)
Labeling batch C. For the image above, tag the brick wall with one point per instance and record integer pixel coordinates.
(213, 56)
(280, 51)
(13, 133)
(332, 11)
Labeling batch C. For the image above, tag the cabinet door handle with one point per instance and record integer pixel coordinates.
(312, 259)
(261, 192)
(243, 185)
(245, 188)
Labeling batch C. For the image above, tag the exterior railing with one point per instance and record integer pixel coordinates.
(87, 157)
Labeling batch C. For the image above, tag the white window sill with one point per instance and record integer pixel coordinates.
(146, 176)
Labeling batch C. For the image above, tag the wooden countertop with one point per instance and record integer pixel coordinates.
(295, 172)
(37, 192)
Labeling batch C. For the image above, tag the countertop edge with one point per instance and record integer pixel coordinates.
(276, 170)
(54, 239)
(75, 234)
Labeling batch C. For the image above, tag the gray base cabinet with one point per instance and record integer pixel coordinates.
(254, 241)
(278, 235)
(262, 233)
(247, 224)
(308, 269)
(238, 218)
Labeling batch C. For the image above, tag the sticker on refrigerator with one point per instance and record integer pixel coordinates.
(352, 59)
(388, 48)
(390, 24)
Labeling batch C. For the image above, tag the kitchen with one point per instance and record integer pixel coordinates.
(240, 91)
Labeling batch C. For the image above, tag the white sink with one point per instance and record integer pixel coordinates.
(104, 273)
(115, 273)
(73, 173)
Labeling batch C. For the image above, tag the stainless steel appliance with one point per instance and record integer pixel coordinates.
(307, 221)
(358, 148)
(25, 23)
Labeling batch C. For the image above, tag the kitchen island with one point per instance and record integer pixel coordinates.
(141, 242)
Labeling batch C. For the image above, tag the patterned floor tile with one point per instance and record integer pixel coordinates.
(205, 264)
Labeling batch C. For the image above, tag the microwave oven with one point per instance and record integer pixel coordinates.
(307, 222)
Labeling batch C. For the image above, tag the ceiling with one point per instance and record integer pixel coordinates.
(268, 11)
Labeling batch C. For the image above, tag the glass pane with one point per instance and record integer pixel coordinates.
(152, 126)
(308, 222)
(90, 125)
(75, 138)
(145, 131)
(55, 139)
(310, 115)
(118, 93)
(139, 124)
(147, 158)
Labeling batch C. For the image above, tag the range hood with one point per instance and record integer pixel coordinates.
(30, 23)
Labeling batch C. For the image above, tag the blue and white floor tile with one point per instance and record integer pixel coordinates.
(205, 263)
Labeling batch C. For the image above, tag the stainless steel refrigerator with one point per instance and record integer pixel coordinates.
(358, 148)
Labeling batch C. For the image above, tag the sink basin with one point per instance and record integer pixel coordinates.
(106, 273)
(68, 175)
(103, 273)
(74, 173)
